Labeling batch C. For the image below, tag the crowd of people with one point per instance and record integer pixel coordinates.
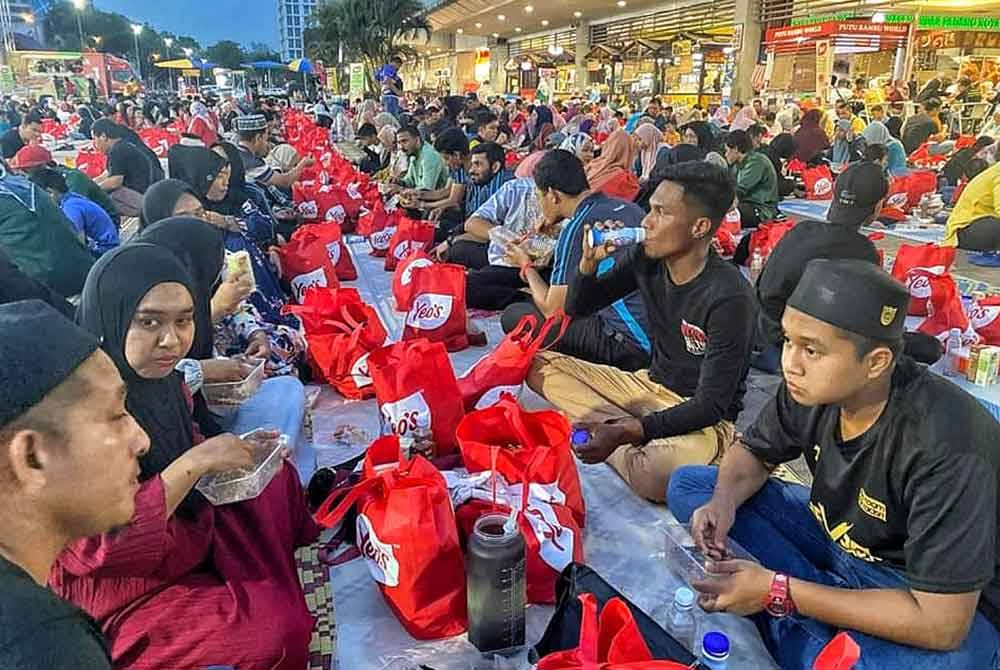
(110, 558)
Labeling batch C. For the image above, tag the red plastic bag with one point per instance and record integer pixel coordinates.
(322, 307)
(936, 259)
(438, 310)
(819, 182)
(732, 222)
(159, 140)
(402, 278)
(612, 642)
(537, 435)
(842, 653)
(91, 162)
(796, 166)
(411, 235)
(504, 369)
(330, 236)
(943, 304)
(905, 192)
(416, 391)
(767, 235)
(306, 263)
(407, 535)
(380, 239)
(984, 318)
(724, 243)
(922, 158)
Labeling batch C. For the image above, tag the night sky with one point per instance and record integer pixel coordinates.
(208, 21)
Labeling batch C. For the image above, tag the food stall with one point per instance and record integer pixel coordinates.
(640, 73)
(694, 68)
(801, 59)
(602, 65)
(958, 47)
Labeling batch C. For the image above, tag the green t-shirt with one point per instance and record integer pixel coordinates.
(428, 171)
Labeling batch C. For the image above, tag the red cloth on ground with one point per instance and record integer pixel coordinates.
(220, 589)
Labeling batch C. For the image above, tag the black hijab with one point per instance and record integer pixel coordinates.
(160, 200)
(115, 286)
(237, 195)
(196, 166)
(199, 247)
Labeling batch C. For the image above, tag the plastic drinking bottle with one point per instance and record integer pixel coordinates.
(715, 651)
(619, 237)
(497, 593)
(682, 625)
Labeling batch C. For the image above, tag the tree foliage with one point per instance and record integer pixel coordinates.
(371, 32)
(226, 54)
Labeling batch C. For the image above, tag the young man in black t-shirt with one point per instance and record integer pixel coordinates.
(27, 132)
(701, 314)
(68, 469)
(128, 173)
(896, 541)
(857, 199)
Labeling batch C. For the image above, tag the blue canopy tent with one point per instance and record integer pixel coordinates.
(266, 65)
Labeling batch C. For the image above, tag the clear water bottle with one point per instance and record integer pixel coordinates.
(953, 346)
(715, 651)
(756, 265)
(619, 237)
(497, 592)
(681, 623)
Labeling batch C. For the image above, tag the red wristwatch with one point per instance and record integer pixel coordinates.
(778, 602)
(524, 272)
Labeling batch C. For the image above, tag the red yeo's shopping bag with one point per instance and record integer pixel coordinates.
(321, 308)
(159, 140)
(984, 318)
(611, 642)
(411, 235)
(402, 278)
(306, 263)
(438, 309)
(407, 535)
(504, 369)
(819, 182)
(536, 439)
(766, 237)
(905, 192)
(417, 392)
(943, 305)
(330, 236)
(936, 259)
(91, 162)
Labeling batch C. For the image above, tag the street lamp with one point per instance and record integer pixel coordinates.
(80, 6)
(188, 51)
(136, 29)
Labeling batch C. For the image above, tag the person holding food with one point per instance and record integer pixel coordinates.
(185, 584)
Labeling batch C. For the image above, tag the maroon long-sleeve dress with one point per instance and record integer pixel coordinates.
(172, 593)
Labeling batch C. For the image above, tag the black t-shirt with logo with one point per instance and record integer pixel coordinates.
(701, 334)
(128, 162)
(916, 492)
(39, 631)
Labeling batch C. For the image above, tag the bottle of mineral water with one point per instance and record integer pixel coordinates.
(715, 651)
(681, 623)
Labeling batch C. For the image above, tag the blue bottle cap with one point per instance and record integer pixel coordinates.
(715, 645)
(684, 597)
(580, 436)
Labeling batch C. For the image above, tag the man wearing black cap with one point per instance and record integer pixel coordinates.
(68, 469)
(254, 145)
(857, 199)
(897, 539)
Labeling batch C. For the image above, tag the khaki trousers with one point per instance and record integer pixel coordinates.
(597, 393)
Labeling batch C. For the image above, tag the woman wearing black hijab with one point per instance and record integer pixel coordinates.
(189, 584)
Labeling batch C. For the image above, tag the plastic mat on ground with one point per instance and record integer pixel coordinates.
(623, 540)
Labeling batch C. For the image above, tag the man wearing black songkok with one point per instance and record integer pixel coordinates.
(68, 469)
(897, 539)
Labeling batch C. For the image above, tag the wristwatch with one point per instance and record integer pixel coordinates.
(778, 602)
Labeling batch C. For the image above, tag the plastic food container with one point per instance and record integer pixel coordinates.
(224, 488)
(235, 393)
(685, 560)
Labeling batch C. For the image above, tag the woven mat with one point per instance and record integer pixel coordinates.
(316, 585)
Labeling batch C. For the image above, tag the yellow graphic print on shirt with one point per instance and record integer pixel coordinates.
(840, 535)
(871, 506)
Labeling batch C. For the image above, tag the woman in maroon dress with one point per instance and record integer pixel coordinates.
(185, 584)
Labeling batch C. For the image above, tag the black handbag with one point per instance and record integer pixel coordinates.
(563, 631)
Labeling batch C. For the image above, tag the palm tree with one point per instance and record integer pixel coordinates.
(369, 31)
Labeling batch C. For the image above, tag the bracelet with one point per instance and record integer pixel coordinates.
(524, 272)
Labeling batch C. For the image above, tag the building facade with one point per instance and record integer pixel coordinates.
(293, 18)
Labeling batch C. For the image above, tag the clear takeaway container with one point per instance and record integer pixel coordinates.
(223, 488)
(236, 393)
(684, 558)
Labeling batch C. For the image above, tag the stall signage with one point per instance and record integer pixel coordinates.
(835, 28)
(936, 22)
(681, 48)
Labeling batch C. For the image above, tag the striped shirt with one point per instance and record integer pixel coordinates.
(476, 195)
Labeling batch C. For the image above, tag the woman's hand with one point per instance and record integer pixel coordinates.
(233, 290)
(259, 346)
(225, 370)
(224, 452)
